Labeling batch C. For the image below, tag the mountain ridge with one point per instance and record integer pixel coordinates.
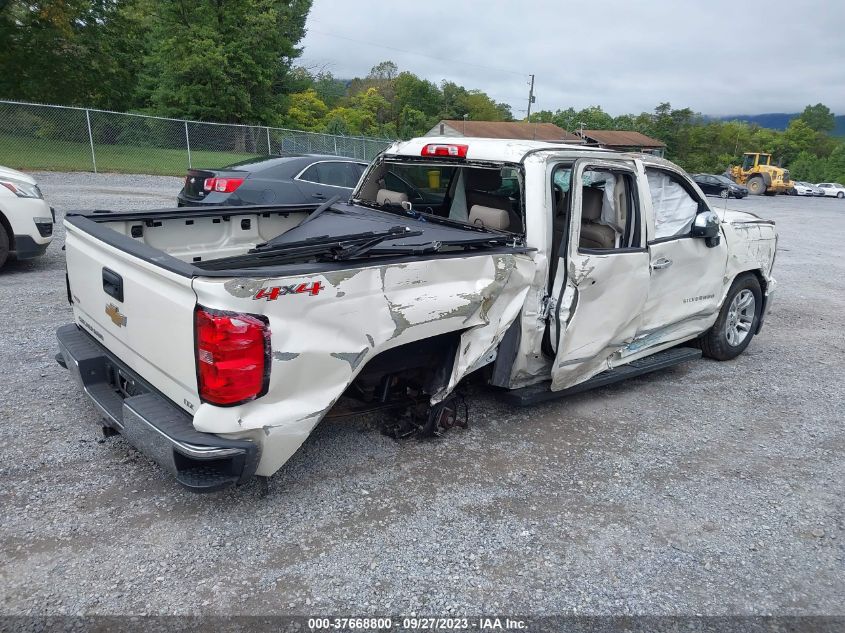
(777, 120)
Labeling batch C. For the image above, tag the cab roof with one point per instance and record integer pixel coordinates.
(484, 149)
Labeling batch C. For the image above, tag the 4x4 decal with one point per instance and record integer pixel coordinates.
(274, 292)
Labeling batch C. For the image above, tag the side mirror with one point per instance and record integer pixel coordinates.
(706, 225)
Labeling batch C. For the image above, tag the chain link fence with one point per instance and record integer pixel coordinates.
(59, 138)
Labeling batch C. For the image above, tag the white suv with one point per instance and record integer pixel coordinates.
(832, 189)
(26, 221)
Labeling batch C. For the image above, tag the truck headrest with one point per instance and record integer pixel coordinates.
(489, 218)
(386, 196)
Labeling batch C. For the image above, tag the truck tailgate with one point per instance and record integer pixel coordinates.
(140, 312)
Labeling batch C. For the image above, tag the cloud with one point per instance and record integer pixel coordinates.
(716, 57)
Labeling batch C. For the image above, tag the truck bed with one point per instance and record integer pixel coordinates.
(136, 282)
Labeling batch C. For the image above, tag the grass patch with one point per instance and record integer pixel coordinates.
(36, 154)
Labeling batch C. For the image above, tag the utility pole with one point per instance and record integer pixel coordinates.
(530, 97)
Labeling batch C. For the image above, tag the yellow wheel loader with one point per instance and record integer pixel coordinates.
(759, 175)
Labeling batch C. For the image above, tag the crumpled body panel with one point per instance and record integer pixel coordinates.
(322, 339)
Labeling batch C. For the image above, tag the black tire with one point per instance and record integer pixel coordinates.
(4, 246)
(756, 185)
(714, 342)
(840, 195)
(724, 193)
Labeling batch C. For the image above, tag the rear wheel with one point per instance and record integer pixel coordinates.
(840, 195)
(756, 185)
(4, 245)
(724, 193)
(738, 319)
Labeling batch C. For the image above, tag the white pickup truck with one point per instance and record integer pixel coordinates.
(215, 340)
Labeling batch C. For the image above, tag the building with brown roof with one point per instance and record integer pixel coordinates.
(623, 141)
(504, 129)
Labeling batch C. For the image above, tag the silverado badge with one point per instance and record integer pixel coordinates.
(114, 314)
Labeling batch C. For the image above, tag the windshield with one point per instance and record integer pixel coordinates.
(724, 179)
(485, 196)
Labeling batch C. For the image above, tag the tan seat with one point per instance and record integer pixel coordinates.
(386, 196)
(489, 218)
(479, 183)
(593, 234)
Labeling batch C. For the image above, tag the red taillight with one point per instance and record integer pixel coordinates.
(232, 356)
(222, 185)
(439, 149)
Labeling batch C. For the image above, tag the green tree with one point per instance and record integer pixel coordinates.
(834, 168)
(819, 117)
(807, 167)
(306, 110)
(413, 122)
(623, 122)
(374, 105)
(417, 93)
(453, 107)
(380, 77)
(481, 107)
(330, 90)
(593, 118)
(365, 113)
(224, 60)
(543, 116)
(72, 52)
(567, 119)
(797, 138)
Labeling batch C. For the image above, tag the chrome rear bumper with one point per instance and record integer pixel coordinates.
(201, 462)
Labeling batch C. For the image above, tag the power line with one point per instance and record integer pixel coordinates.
(402, 50)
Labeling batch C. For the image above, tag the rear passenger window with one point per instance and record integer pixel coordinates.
(608, 210)
(335, 174)
(674, 208)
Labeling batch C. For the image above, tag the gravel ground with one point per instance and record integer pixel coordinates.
(711, 488)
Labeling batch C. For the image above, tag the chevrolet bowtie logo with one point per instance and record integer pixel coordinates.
(114, 314)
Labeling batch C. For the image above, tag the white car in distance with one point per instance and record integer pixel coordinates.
(832, 189)
(806, 189)
(26, 220)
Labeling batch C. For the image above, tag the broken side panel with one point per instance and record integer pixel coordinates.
(500, 299)
(327, 326)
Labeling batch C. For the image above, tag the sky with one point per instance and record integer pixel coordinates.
(714, 56)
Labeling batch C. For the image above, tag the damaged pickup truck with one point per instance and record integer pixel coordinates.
(215, 340)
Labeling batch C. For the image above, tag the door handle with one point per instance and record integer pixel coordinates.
(661, 263)
(320, 195)
(113, 284)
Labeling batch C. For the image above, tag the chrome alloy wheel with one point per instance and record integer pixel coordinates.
(740, 317)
